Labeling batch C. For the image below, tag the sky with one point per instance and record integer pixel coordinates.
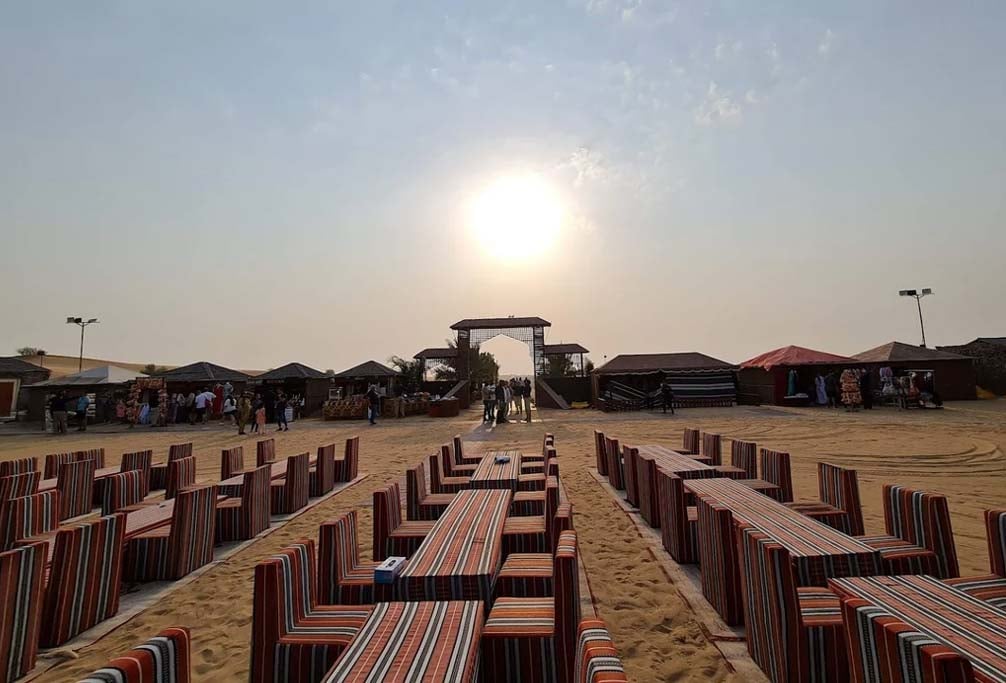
(253, 183)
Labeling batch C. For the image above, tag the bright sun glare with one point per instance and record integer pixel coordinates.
(517, 217)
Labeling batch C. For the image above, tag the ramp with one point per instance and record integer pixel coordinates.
(548, 397)
(460, 392)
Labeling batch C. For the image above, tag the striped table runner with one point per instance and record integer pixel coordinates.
(490, 475)
(414, 642)
(461, 554)
(232, 487)
(685, 466)
(149, 517)
(50, 484)
(972, 627)
(818, 551)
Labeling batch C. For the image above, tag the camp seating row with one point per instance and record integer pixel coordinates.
(165, 658)
(797, 633)
(159, 471)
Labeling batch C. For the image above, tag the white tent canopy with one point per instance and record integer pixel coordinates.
(106, 374)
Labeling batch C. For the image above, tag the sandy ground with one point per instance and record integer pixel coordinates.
(958, 451)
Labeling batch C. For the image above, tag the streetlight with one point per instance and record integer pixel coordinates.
(83, 323)
(917, 294)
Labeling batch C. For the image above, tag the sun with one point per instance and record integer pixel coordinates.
(517, 217)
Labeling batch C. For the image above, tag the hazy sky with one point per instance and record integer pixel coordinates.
(258, 182)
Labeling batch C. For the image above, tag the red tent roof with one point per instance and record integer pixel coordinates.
(794, 355)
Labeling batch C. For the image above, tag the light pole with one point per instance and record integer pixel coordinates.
(83, 323)
(917, 294)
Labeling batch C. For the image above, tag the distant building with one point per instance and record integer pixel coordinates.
(953, 373)
(634, 380)
(16, 373)
(989, 354)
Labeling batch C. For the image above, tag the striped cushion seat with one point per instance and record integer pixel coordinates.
(21, 577)
(321, 478)
(243, 518)
(775, 468)
(528, 467)
(293, 638)
(527, 504)
(990, 588)
(265, 452)
(678, 521)
(18, 485)
(75, 483)
(630, 469)
(613, 456)
(420, 504)
(289, 494)
(28, 517)
(170, 552)
(922, 521)
(793, 634)
(141, 461)
(690, 441)
(440, 482)
(159, 471)
(84, 579)
(532, 534)
(525, 575)
(53, 461)
(596, 658)
(839, 506)
(600, 454)
(451, 468)
(124, 491)
(535, 639)
(344, 578)
(181, 475)
(712, 448)
(347, 467)
(768, 488)
(19, 466)
(744, 454)
(459, 453)
(162, 659)
(232, 462)
(530, 482)
(901, 557)
(392, 536)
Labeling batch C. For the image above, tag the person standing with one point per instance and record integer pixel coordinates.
(527, 398)
(281, 424)
(375, 403)
(57, 408)
(501, 402)
(244, 412)
(485, 402)
(866, 389)
(258, 409)
(667, 394)
(201, 405)
(190, 407)
(82, 403)
(230, 408)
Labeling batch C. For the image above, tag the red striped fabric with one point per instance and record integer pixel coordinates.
(165, 658)
(600, 453)
(18, 485)
(181, 475)
(123, 490)
(712, 448)
(459, 453)
(170, 552)
(232, 462)
(452, 468)
(21, 577)
(347, 468)
(392, 536)
(241, 519)
(290, 493)
(344, 578)
(532, 534)
(938, 613)
(492, 475)
(690, 441)
(28, 517)
(678, 521)
(139, 460)
(596, 658)
(775, 468)
(84, 579)
(613, 455)
(440, 483)
(322, 473)
(421, 505)
(417, 642)
(18, 466)
(75, 483)
(652, 458)
(265, 452)
(159, 471)
(460, 556)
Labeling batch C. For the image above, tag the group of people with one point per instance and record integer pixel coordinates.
(61, 405)
(251, 409)
(505, 398)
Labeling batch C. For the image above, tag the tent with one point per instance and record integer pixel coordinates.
(954, 376)
(765, 378)
(356, 379)
(105, 382)
(297, 378)
(635, 379)
(16, 373)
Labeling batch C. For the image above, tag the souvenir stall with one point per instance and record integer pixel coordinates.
(148, 402)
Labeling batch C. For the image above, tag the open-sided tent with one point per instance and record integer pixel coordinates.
(104, 382)
(765, 378)
(356, 379)
(697, 379)
(954, 376)
(297, 378)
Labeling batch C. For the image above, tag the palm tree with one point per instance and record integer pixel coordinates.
(482, 366)
(412, 371)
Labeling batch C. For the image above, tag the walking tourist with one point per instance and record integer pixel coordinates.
(230, 407)
(501, 402)
(244, 412)
(375, 403)
(485, 401)
(204, 401)
(527, 398)
(190, 407)
(259, 407)
(82, 403)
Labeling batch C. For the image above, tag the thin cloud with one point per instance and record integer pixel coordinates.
(718, 107)
(824, 47)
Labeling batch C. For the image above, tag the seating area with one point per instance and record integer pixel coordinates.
(76, 534)
(476, 606)
(818, 598)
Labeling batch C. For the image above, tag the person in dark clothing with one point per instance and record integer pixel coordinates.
(831, 388)
(375, 402)
(667, 394)
(281, 423)
(866, 390)
(57, 408)
(501, 406)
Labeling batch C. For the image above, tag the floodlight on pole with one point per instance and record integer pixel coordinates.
(70, 320)
(917, 294)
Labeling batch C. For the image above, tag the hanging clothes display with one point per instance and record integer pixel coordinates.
(849, 384)
(887, 387)
(821, 389)
(791, 383)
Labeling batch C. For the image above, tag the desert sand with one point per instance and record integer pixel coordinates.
(957, 451)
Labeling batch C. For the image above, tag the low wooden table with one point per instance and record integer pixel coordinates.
(492, 475)
(819, 552)
(414, 642)
(641, 476)
(461, 555)
(972, 627)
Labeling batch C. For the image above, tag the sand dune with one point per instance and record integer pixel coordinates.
(958, 452)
